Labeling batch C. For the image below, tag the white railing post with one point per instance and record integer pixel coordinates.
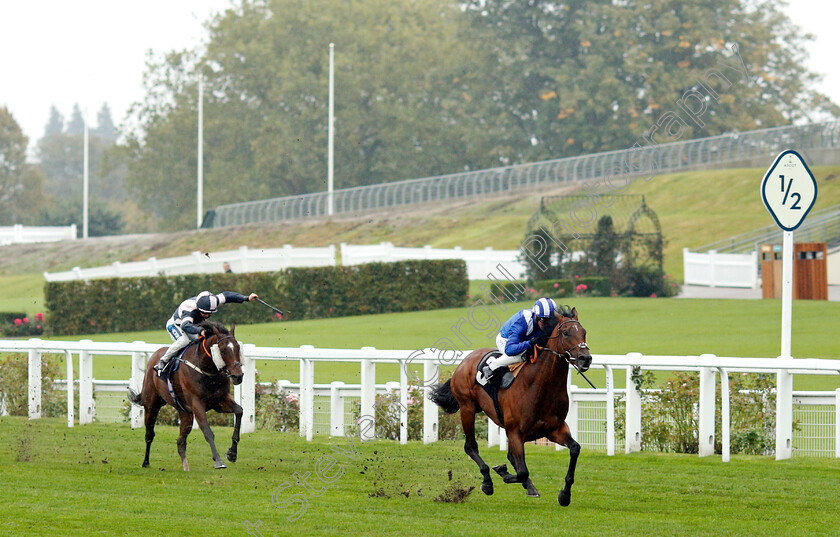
(68, 361)
(724, 414)
(784, 415)
(403, 403)
(138, 373)
(430, 409)
(610, 411)
(503, 443)
(572, 416)
(306, 396)
(492, 433)
(706, 419)
(367, 411)
(712, 271)
(86, 408)
(633, 412)
(336, 409)
(837, 423)
(249, 387)
(34, 382)
(243, 256)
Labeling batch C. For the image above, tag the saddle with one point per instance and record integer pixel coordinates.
(499, 381)
(166, 375)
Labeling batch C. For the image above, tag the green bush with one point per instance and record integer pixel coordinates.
(277, 410)
(596, 285)
(20, 325)
(14, 387)
(554, 288)
(131, 304)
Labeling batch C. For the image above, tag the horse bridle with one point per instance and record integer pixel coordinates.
(567, 353)
(224, 369)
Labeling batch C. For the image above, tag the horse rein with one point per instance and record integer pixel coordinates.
(222, 370)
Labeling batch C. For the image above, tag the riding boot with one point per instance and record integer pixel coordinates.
(173, 349)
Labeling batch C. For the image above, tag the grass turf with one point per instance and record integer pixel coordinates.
(88, 481)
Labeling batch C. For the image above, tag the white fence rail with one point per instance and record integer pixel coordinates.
(18, 234)
(720, 270)
(242, 260)
(708, 366)
(480, 263)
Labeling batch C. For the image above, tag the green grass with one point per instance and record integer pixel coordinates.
(22, 293)
(737, 328)
(88, 481)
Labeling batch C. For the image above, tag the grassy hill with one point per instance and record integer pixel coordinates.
(694, 208)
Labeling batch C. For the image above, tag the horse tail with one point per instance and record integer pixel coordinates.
(134, 397)
(442, 396)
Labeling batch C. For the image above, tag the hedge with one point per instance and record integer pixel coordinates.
(130, 304)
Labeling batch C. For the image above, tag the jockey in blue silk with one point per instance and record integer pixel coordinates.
(518, 336)
(182, 326)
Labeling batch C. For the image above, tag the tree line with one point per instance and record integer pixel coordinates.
(429, 87)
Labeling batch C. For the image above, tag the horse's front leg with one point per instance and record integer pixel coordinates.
(201, 418)
(228, 406)
(516, 456)
(563, 437)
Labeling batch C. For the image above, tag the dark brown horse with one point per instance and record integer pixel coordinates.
(535, 405)
(201, 383)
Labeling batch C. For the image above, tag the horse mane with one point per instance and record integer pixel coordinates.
(213, 326)
(565, 311)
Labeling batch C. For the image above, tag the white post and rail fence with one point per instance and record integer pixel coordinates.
(417, 368)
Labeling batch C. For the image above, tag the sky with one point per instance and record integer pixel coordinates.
(60, 52)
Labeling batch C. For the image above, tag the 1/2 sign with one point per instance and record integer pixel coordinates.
(789, 190)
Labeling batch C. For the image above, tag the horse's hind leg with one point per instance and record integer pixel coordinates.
(186, 426)
(228, 406)
(563, 437)
(152, 411)
(471, 448)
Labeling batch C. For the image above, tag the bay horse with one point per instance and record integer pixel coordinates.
(534, 406)
(201, 383)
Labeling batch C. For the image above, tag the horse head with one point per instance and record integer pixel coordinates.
(570, 338)
(224, 350)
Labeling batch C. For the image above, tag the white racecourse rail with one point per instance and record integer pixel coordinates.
(720, 270)
(480, 263)
(709, 367)
(18, 234)
(242, 260)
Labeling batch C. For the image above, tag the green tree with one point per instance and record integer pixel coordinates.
(55, 125)
(77, 122)
(594, 75)
(406, 103)
(20, 183)
(105, 128)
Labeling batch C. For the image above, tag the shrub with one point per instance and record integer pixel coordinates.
(14, 386)
(79, 307)
(277, 409)
(20, 325)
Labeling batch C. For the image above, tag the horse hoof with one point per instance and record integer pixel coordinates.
(231, 455)
(533, 494)
(219, 465)
(564, 498)
(487, 488)
(501, 469)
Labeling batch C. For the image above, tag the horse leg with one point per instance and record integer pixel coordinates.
(516, 455)
(201, 418)
(471, 448)
(563, 437)
(186, 427)
(228, 406)
(528, 485)
(152, 411)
